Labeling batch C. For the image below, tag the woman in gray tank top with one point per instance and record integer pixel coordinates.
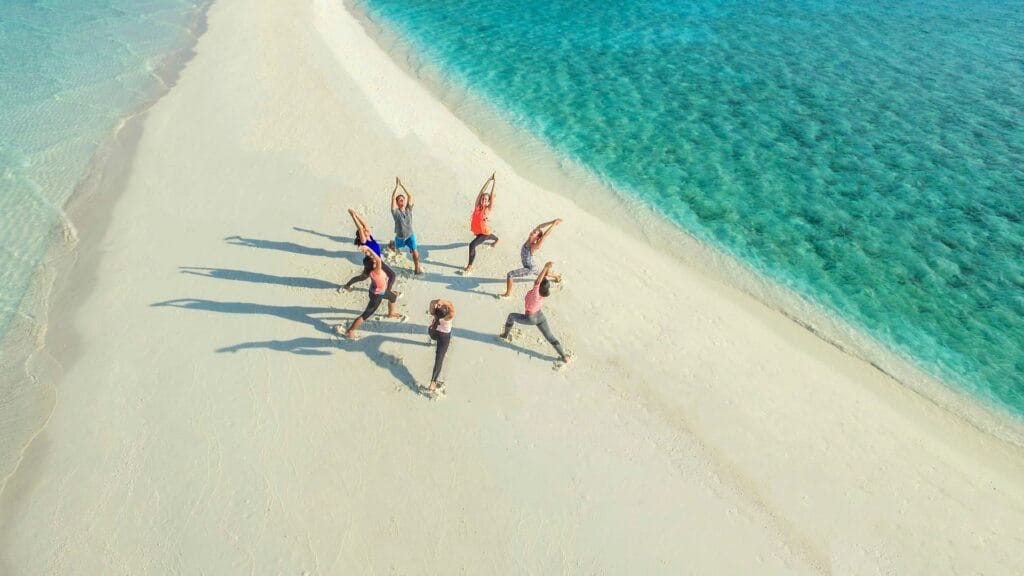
(533, 243)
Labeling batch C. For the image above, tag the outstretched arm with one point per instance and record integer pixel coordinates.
(360, 226)
(544, 233)
(483, 189)
(376, 259)
(408, 195)
(543, 274)
(394, 194)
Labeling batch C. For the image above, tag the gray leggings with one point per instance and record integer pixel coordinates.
(539, 321)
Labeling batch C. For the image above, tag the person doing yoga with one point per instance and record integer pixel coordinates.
(533, 243)
(378, 293)
(479, 224)
(440, 330)
(365, 238)
(401, 211)
(533, 316)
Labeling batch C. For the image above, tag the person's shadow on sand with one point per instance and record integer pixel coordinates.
(378, 329)
(425, 249)
(310, 315)
(307, 346)
(294, 248)
(461, 283)
(340, 239)
(374, 334)
(457, 282)
(258, 278)
(370, 345)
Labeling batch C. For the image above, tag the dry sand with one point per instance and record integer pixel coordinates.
(208, 421)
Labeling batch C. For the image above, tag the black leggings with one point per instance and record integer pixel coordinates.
(443, 339)
(374, 303)
(365, 275)
(480, 238)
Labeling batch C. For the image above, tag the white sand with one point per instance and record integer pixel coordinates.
(228, 432)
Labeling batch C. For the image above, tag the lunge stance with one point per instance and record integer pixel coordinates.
(533, 316)
(441, 331)
(378, 293)
(479, 224)
(401, 211)
(365, 238)
(533, 243)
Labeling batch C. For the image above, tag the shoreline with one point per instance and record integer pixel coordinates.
(542, 164)
(93, 197)
(292, 451)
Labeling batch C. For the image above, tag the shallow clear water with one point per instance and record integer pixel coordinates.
(69, 71)
(869, 156)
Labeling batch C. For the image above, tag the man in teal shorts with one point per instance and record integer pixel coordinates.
(401, 211)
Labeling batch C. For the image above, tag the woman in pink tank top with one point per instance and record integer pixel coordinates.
(534, 316)
(479, 224)
(378, 293)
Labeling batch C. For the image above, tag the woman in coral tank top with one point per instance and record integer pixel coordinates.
(479, 224)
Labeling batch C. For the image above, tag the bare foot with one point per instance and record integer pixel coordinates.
(562, 364)
(351, 335)
(419, 271)
(435, 390)
(503, 296)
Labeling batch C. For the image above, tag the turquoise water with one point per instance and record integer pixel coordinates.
(868, 156)
(69, 72)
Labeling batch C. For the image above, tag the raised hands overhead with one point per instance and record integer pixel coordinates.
(369, 252)
(543, 231)
(408, 195)
(543, 274)
(487, 188)
(362, 230)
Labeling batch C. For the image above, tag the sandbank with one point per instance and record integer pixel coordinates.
(208, 421)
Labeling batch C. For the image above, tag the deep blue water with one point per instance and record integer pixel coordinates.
(868, 156)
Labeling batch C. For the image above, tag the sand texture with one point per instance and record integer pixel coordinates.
(209, 421)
